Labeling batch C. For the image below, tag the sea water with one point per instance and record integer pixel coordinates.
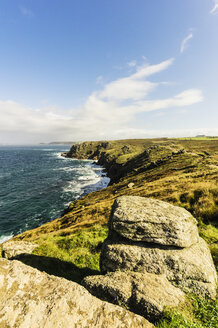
(37, 184)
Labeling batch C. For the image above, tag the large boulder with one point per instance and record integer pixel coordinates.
(190, 268)
(153, 221)
(30, 298)
(144, 293)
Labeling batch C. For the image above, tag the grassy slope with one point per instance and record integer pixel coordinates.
(159, 169)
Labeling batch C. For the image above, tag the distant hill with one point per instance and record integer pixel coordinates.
(62, 143)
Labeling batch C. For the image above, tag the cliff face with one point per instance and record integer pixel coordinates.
(125, 157)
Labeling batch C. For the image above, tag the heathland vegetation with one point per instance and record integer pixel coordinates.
(182, 172)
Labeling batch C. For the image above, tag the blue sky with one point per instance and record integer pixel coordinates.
(107, 69)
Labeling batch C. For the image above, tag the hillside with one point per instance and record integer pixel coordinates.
(182, 172)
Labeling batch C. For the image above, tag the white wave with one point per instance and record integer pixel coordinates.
(98, 168)
(4, 238)
(86, 184)
(58, 155)
(73, 187)
(66, 169)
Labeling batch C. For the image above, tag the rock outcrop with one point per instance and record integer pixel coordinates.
(153, 221)
(30, 298)
(143, 293)
(153, 254)
(147, 235)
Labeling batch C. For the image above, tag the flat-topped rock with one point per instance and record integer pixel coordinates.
(11, 249)
(30, 298)
(153, 221)
(191, 268)
(144, 293)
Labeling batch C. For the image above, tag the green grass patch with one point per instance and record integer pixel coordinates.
(197, 313)
(77, 253)
(81, 248)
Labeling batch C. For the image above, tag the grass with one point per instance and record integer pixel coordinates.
(197, 313)
(81, 249)
(199, 138)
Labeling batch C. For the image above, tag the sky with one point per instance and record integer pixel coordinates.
(76, 70)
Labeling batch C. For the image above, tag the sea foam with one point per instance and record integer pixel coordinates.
(4, 238)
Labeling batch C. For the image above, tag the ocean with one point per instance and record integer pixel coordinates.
(37, 184)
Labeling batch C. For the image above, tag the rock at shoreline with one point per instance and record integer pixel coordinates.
(153, 221)
(144, 293)
(30, 298)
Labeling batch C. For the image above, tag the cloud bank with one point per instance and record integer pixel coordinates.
(107, 113)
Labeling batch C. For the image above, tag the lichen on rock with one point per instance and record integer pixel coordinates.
(30, 298)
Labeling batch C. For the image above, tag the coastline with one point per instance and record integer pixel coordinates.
(169, 170)
(86, 184)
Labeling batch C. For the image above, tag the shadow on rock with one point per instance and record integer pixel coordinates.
(56, 267)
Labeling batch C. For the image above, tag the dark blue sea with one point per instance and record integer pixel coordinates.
(37, 184)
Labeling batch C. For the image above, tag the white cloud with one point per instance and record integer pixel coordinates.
(106, 113)
(185, 98)
(147, 70)
(26, 12)
(132, 63)
(185, 41)
(214, 10)
(134, 86)
(127, 88)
